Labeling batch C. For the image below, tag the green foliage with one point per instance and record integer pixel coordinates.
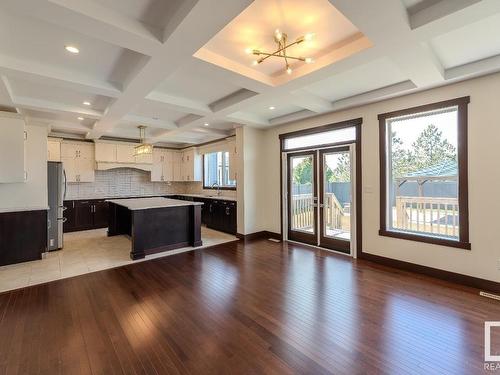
(342, 172)
(428, 150)
(302, 174)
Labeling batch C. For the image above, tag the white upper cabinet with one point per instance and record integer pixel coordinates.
(163, 166)
(12, 148)
(191, 165)
(119, 152)
(125, 153)
(78, 161)
(105, 152)
(53, 149)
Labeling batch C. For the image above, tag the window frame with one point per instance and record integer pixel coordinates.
(462, 155)
(222, 187)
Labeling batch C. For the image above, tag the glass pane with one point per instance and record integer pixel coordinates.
(337, 199)
(217, 169)
(323, 138)
(302, 210)
(423, 175)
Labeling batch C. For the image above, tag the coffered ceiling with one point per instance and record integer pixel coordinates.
(180, 66)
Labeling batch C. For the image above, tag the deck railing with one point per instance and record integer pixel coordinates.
(302, 209)
(427, 214)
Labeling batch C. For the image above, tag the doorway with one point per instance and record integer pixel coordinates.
(320, 186)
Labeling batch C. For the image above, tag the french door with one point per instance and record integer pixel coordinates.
(320, 186)
(302, 197)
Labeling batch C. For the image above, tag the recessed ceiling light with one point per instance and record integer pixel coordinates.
(86, 103)
(289, 70)
(206, 124)
(272, 107)
(255, 63)
(308, 60)
(80, 118)
(72, 49)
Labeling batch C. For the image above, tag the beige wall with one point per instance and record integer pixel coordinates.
(31, 194)
(484, 179)
(251, 172)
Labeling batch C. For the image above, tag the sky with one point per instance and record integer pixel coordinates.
(409, 130)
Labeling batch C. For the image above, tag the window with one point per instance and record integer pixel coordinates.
(342, 135)
(216, 171)
(423, 165)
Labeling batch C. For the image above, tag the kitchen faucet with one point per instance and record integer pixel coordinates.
(218, 188)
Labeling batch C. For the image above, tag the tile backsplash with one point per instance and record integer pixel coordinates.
(122, 182)
(197, 188)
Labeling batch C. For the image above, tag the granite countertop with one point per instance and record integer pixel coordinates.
(219, 197)
(148, 203)
(22, 209)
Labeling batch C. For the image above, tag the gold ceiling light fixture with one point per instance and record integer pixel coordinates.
(283, 44)
(144, 148)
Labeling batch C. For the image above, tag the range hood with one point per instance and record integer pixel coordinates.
(105, 166)
(113, 155)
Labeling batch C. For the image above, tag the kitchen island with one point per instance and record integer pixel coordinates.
(155, 224)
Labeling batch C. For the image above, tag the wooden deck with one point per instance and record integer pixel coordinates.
(260, 307)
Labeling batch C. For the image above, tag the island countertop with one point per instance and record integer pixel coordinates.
(134, 204)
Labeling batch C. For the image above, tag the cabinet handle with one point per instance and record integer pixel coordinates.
(227, 210)
(210, 208)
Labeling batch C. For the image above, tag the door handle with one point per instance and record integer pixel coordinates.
(63, 219)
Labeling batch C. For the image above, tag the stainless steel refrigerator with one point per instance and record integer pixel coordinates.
(56, 183)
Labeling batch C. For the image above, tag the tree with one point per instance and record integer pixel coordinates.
(342, 172)
(428, 150)
(401, 162)
(302, 173)
(431, 149)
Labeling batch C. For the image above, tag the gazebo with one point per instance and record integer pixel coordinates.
(438, 215)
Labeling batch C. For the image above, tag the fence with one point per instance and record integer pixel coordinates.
(427, 214)
(302, 209)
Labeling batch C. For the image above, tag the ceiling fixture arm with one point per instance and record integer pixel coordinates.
(281, 40)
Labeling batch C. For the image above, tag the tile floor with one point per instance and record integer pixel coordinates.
(86, 252)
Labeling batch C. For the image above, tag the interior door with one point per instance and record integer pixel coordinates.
(335, 200)
(302, 197)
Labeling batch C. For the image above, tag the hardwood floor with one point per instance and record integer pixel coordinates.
(259, 307)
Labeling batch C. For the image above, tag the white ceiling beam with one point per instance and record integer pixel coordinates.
(180, 44)
(307, 100)
(231, 100)
(6, 92)
(211, 130)
(143, 120)
(48, 75)
(294, 116)
(54, 107)
(247, 118)
(386, 24)
(179, 104)
(457, 14)
(474, 69)
(438, 10)
(374, 95)
(90, 18)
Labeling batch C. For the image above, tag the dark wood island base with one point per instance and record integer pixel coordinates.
(154, 227)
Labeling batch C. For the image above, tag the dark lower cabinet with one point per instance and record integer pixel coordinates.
(85, 214)
(23, 236)
(101, 210)
(221, 215)
(215, 213)
(93, 213)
